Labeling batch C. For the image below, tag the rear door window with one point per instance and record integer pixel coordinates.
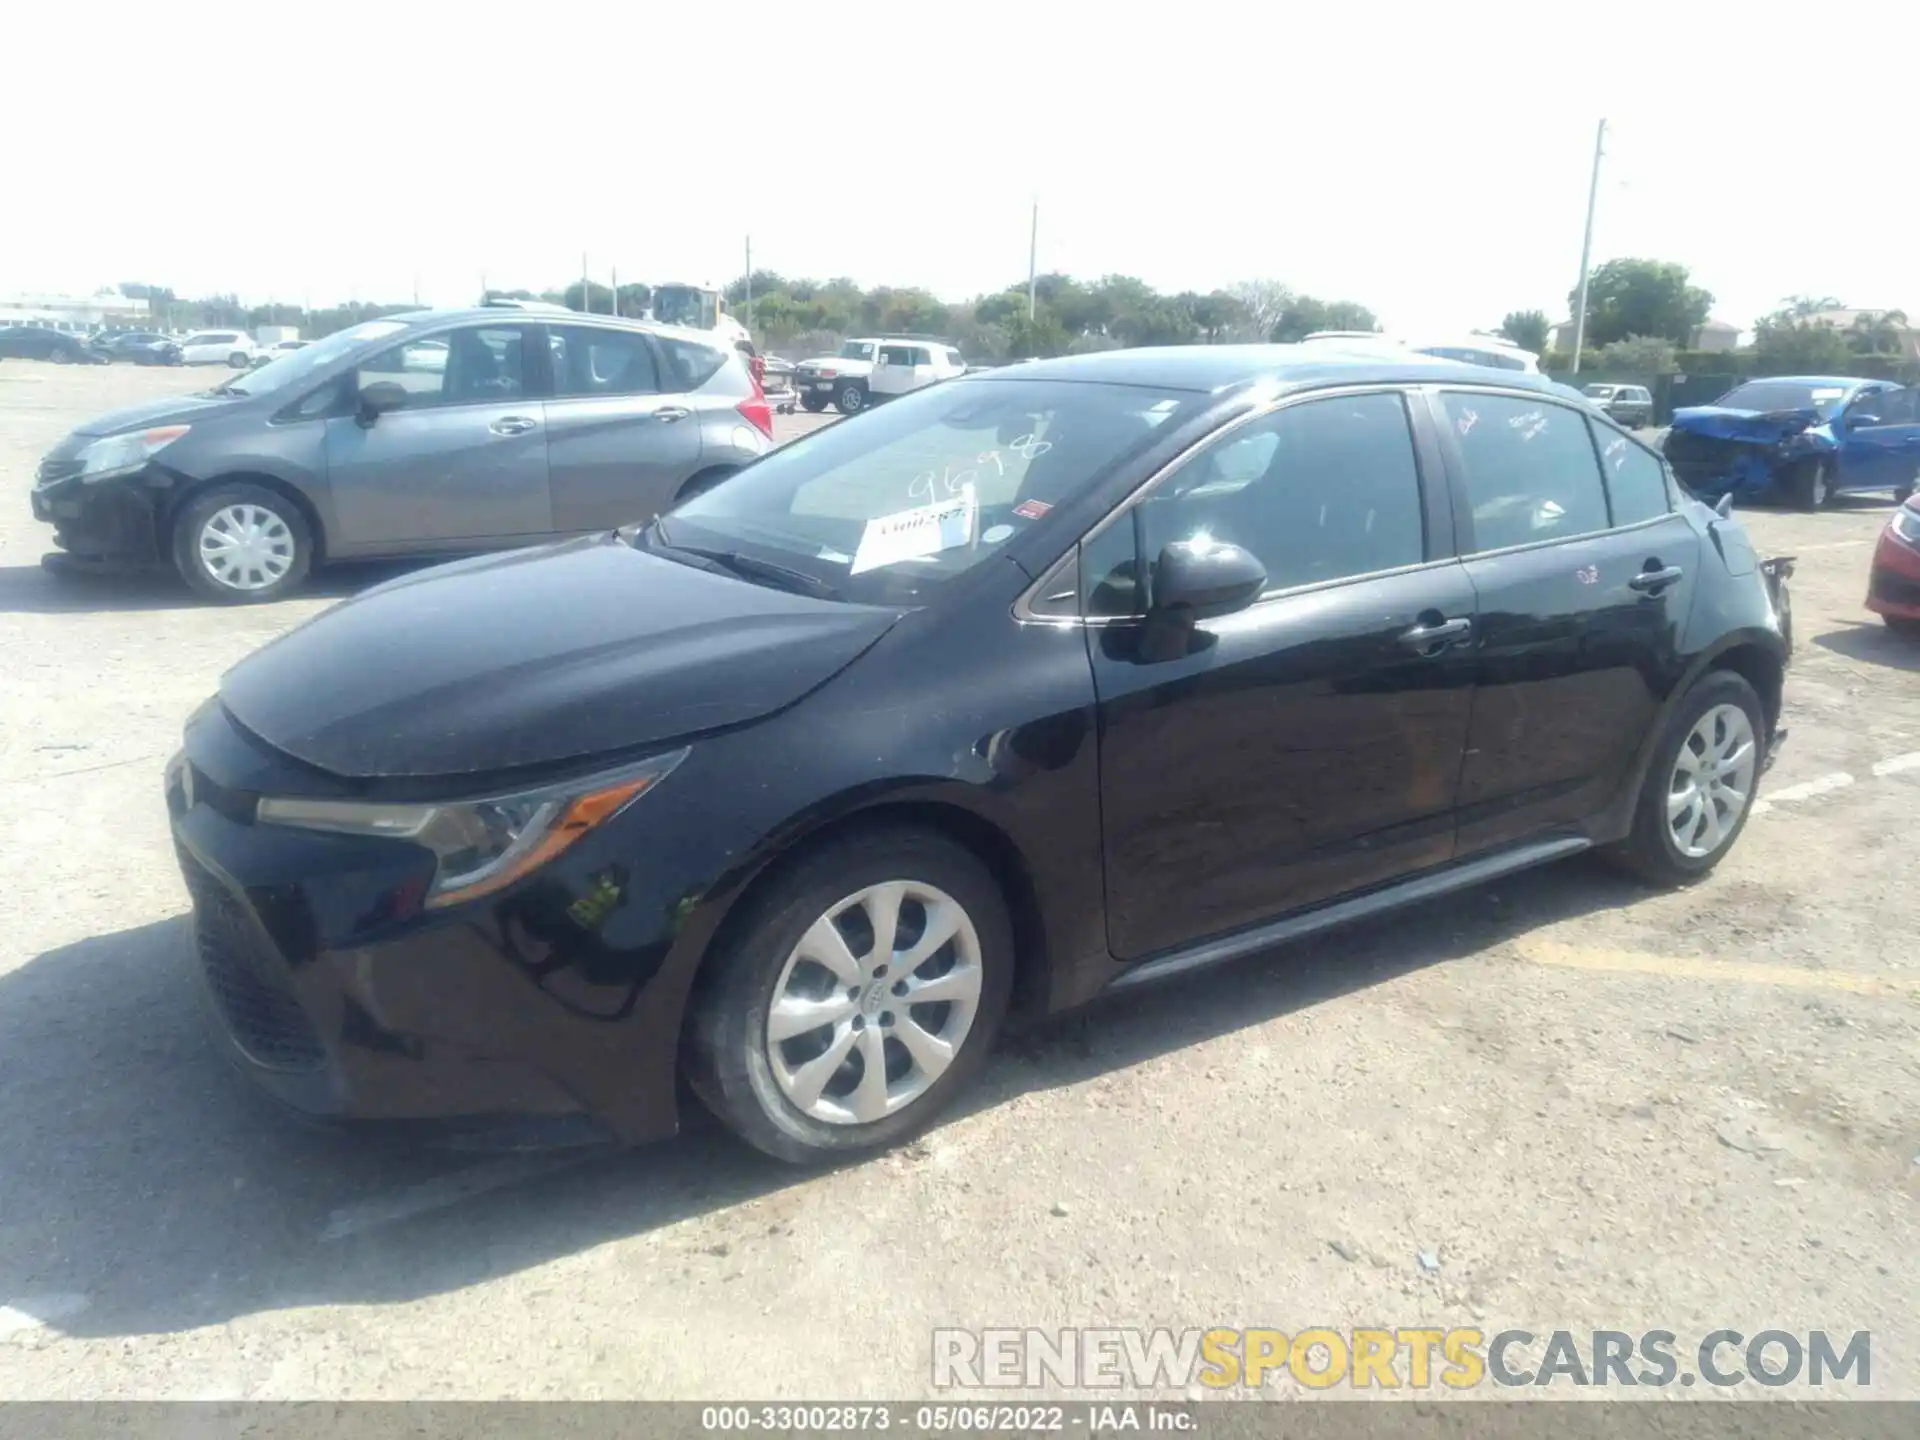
(1528, 468)
(588, 361)
(1636, 477)
(686, 365)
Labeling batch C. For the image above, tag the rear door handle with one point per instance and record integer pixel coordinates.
(1432, 639)
(512, 425)
(667, 414)
(1651, 582)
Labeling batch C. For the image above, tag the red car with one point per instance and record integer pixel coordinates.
(1894, 589)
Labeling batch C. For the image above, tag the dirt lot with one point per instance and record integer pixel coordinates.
(1559, 1104)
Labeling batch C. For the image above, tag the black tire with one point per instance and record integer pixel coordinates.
(851, 398)
(1905, 626)
(1649, 851)
(58, 357)
(1811, 485)
(813, 404)
(727, 1065)
(1903, 493)
(194, 515)
(237, 360)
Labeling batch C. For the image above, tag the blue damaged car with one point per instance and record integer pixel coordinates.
(1805, 438)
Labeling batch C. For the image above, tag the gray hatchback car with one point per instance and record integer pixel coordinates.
(438, 433)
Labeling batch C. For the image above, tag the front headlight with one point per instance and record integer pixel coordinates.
(1906, 524)
(481, 846)
(124, 454)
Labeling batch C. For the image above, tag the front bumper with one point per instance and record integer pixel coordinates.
(547, 1014)
(109, 522)
(1893, 585)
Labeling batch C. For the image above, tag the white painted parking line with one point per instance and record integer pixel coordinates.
(444, 1190)
(1805, 790)
(1894, 764)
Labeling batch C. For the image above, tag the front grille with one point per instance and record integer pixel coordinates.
(247, 980)
(1683, 447)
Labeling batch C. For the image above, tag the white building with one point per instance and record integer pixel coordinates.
(72, 312)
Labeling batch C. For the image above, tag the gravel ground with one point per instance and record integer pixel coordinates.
(1586, 1106)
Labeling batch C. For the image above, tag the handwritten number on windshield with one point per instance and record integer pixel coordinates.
(929, 486)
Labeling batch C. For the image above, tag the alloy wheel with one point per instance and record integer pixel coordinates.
(246, 547)
(1712, 781)
(874, 1003)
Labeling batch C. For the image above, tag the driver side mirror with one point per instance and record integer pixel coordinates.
(1204, 579)
(378, 399)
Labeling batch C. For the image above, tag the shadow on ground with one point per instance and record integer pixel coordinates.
(145, 1190)
(1874, 643)
(35, 590)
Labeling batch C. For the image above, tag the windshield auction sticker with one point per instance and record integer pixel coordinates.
(916, 533)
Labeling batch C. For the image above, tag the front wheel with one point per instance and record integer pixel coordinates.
(813, 404)
(238, 360)
(861, 993)
(1903, 493)
(242, 544)
(1699, 789)
(1812, 484)
(851, 400)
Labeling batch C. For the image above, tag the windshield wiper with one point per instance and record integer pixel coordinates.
(750, 567)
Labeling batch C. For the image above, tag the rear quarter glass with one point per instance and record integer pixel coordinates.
(687, 366)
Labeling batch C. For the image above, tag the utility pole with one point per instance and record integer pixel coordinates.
(1586, 248)
(586, 286)
(615, 271)
(749, 284)
(483, 287)
(1033, 253)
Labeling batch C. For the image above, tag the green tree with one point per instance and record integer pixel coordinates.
(1877, 332)
(1528, 329)
(634, 298)
(1303, 315)
(1642, 297)
(1790, 336)
(598, 298)
(1639, 355)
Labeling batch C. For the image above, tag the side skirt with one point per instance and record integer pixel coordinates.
(1463, 875)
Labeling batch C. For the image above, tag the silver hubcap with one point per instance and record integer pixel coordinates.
(874, 1003)
(246, 547)
(1712, 781)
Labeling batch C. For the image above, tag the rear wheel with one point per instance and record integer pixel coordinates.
(1811, 484)
(238, 360)
(1902, 493)
(1699, 789)
(242, 544)
(701, 483)
(862, 992)
(1905, 626)
(59, 357)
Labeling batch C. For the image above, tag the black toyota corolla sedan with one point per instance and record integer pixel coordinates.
(1028, 686)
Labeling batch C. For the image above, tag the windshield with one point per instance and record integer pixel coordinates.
(1766, 395)
(294, 366)
(854, 350)
(679, 305)
(1601, 392)
(889, 510)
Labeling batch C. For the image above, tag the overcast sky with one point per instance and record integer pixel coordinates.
(1431, 163)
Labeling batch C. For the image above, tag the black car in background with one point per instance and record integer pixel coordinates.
(1028, 686)
(37, 342)
(141, 347)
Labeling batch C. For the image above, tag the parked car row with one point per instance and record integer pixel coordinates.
(789, 798)
(434, 433)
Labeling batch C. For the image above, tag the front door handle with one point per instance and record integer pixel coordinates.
(512, 425)
(667, 414)
(1432, 639)
(1652, 582)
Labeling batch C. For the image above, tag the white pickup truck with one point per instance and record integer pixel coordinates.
(870, 368)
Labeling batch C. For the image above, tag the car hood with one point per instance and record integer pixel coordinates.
(175, 409)
(1758, 426)
(538, 657)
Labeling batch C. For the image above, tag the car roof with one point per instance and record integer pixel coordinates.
(1807, 380)
(512, 315)
(1207, 368)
